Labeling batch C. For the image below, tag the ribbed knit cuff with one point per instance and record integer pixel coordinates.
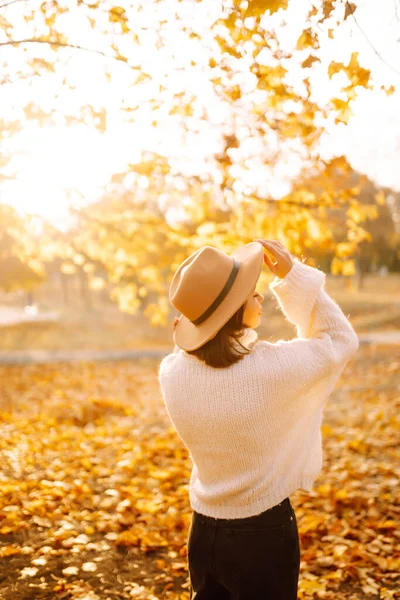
(296, 293)
(300, 278)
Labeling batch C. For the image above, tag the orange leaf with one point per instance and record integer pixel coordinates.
(309, 61)
(350, 8)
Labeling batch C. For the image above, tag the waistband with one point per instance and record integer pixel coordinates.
(207, 519)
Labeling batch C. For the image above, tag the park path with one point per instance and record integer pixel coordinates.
(45, 356)
(10, 316)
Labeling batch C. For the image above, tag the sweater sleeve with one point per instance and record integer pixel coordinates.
(325, 338)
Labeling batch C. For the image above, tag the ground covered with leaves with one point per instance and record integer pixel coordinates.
(94, 485)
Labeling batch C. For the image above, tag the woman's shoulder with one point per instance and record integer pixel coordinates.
(175, 359)
(166, 362)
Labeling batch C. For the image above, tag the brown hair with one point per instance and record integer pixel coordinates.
(220, 352)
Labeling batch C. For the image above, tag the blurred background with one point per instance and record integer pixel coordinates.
(133, 134)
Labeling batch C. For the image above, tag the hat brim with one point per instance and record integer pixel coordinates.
(190, 337)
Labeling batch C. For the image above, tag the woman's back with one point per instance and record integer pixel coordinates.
(253, 429)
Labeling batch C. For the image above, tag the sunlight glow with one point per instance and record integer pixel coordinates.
(55, 166)
(54, 163)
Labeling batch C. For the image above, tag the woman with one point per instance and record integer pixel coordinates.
(249, 412)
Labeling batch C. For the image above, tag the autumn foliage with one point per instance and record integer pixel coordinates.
(94, 491)
(227, 75)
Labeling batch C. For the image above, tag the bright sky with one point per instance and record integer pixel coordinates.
(52, 162)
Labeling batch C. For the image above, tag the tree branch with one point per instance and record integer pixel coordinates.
(108, 226)
(351, 11)
(64, 45)
(12, 2)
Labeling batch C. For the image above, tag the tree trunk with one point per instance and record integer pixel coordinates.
(64, 287)
(85, 291)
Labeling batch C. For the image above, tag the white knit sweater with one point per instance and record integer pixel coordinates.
(253, 429)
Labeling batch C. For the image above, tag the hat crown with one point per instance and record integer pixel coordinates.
(199, 280)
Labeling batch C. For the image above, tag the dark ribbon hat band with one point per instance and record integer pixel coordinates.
(221, 295)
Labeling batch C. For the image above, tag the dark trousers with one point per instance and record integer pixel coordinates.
(253, 558)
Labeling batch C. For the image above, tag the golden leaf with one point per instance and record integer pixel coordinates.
(350, 8)
(334, 67)
(86, 464)
(340, 549)
(256, 8)
(340, 494)
(388, 91)
(160, 474)
(327, 7)
(309, 61)
(388, 524)
(344, 112)
(324, 490)
(117, 11)
(128, 538)
(117, 14)
(356, 74)
(313, 586)
(305, 40)
(313, 11)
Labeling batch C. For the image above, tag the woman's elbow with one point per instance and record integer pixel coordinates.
(345, 347)
(354, 342)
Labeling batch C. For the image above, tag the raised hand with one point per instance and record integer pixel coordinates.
(284, 259)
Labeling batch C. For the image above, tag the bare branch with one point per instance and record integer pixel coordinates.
(12, 2)
(369, 41)
(64, 45)
(396, 6)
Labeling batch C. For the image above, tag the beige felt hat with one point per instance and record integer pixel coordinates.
(209, 287)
